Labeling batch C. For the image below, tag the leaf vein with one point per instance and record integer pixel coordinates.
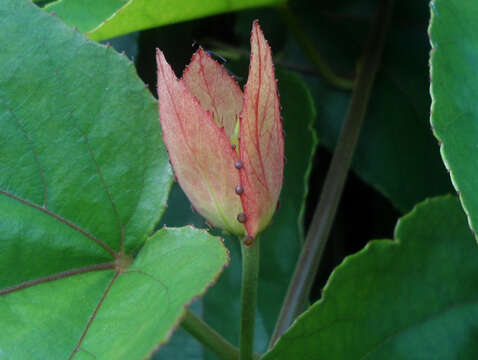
(61, 219)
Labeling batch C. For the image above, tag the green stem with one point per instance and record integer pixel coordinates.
(209, 337)
(311, 51)
(308, 263)
(250, 277)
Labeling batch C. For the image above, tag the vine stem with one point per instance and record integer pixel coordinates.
(250, 278)
(324, 215)
(208, 337)
(310, 50)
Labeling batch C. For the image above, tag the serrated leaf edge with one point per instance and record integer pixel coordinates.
(471, 225)
(391, 243)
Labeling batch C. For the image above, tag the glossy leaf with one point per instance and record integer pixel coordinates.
(411, 298)
(109, 18)
(200, 152)
(280, 242)
(396, 152)
(454, 91)
(76, 203)
(261, 144)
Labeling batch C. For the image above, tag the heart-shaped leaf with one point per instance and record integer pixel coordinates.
(84, 178)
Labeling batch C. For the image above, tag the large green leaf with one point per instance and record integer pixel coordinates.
(71, 113)
(280, 243)
(396, 152)
(84, 178)
(412, 298)
(109, 18)
(108, 314)
(454, 89)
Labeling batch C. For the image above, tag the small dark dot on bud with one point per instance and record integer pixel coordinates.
(239, 164)
(239, 190)
(233, 147)
(242, 218)
(278, 205)
(248, 241)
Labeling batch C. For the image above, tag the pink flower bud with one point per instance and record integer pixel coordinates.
(226, 147)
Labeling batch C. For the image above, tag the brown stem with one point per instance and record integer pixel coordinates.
(308, 263)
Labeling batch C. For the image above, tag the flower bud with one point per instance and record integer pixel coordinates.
(226, 147)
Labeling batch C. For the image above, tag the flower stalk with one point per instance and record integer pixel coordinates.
(250, 278)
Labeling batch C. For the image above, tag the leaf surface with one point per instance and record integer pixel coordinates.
(454, 91)
(109, 315)
(84, 178)
(71, 112)
(412, 298)
(109, 18)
